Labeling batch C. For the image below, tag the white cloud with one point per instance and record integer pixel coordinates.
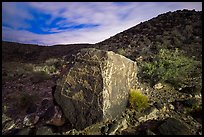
(190, 5)
(14, 15)
(112, 18)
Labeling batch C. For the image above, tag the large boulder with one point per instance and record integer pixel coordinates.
(95, 86)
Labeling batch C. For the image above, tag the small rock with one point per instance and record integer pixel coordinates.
(182, 96)
(95, 129)
(4, 109)
(124, 125)
(129, 131)
(149, 132)
(199, 132)
(191, 102)
(8, 126)
(171, 106)
(5, 119)
(158, 105)
(158, 86)
(104, 130)
(164, 108)
(44, 131)
(30, 119)
(149, 110)
(72, 132)
(150, 114)
(198, 96)
(31, 109)
(118, 125)
(166, 115)
(113, 128)
(24, 131)
(190, 95)
(45, 104)
(56, 119)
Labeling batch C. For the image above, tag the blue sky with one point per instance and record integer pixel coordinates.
(49, 23)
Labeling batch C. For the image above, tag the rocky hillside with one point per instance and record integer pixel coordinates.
(180, 29)
(35, 53)
(38, 82)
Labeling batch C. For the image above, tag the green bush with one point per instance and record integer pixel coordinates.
(13, 70)
(57, 63)
(171, 66)
(137, 100)
(26, 100)
(121, 51)
(39, 76)
(47, 69)
(51, 61)
(51, 66)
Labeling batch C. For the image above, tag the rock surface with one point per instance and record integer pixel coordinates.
(30, 119)
(44, 131)
(174, 127)
(24, 131)
(158, 86)
(95, 87)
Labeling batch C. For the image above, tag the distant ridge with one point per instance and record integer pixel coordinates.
(181, 29)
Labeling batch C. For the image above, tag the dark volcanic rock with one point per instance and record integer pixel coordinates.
(31, 119)
(173, 126)
(57, 118)
(95, 87)
(180, 29)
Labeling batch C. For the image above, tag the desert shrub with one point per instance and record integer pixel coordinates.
(121, 51)
(20, 71)
(137, 100)
(51, 61)
(46, 69)
(54, 62)
(197, 113)
(51, 66)
(39, 76)
(26, 100)
(13, 70)
(171, 66)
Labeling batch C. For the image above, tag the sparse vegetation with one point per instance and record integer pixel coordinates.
(40, 76)
(56, 62)
(121, 51)
(51, 66)
(14, 70)
(51, 61)
(171, 66)
(137, 100)
(26, 100)
(47, 69)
